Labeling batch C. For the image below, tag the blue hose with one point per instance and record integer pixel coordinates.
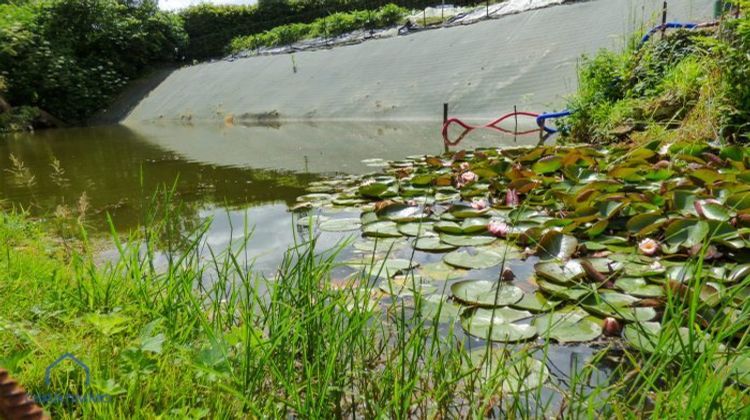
(540, 120)
(668, 25)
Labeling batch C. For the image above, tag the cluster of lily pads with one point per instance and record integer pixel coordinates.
(612, 235)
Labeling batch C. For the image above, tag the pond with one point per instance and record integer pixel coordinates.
(246, 175)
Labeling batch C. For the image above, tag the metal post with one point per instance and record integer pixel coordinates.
(515, 130)
(424, 18)
(442, 12)
(487, 4)
(445, 120)
(664, 19)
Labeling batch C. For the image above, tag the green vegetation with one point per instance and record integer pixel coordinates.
(69, 57)
(688, 86)
(329, 26)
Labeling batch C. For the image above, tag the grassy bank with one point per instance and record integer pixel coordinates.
(687, 86)
(198, 335)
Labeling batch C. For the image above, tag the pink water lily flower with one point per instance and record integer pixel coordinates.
(468, 177)
(511, 198)
(498, 228)
(648, 247)
(479, 204)
(464, 166)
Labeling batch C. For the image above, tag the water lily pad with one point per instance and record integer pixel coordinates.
(467, 240)
(570, 272)
(440, 271)
(556, 245)
(378, 190)
(383, 229)
(402, 213)
(432, 244)
(476, 259)
(572, 293)
(535, 302)
(379, 245)
(569, 325)
(467, 226)
(519, 371)
(652, 337)
(436, 306)
(486, 293)
(341, 225)
(736, 366)
(686, 233)
(407, 285)
(389, 267)
(547, 164)
(639, 287)
(497, 325)
(417, 229)
(618, 306)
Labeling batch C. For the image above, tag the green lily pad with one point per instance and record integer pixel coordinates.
(402, 213)
(497, 325)
(467, 226)
(486, 293)
(378, 190)
(570, 272)
(384, 229)
(440, 271)
(736, 366)
(432, 244)
(389, 267)
(408, 285)
(416, 229)
(341, 225)
(467, 240)
(618, 306)
(547, 164)
(379, 245)
(639, 287)
(535, 302)
(569, 325)
(436, 306)
(556, 245)
(476, 259)
(652, 337)
(571, 293)
(685, 233)
(519, 371)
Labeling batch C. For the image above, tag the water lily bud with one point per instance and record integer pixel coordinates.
(507, 275)
(648, 247)
(612, 327)
(661, 164)
(511, 198)
(498, 228)
(464, 166)
(469, 177)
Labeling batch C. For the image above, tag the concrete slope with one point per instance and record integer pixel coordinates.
(527, 59)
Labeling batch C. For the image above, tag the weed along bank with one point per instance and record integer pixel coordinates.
(521, 209)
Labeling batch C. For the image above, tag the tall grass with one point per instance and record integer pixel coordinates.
(172, 328)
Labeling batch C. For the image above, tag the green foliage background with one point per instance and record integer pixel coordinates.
(70, 56)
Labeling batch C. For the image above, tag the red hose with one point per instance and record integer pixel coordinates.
(491, 125)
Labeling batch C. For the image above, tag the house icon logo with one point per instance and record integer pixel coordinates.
(53, 397)
(64, 357)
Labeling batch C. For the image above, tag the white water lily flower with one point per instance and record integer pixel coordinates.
(479, 204)
(648, 247)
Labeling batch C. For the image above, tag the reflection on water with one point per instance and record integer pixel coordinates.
(211, 166)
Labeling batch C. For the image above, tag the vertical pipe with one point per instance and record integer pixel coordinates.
(487, 5)
(515, 129)
(664, 19)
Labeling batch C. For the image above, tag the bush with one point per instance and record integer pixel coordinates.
(70, 56)
(333, 25)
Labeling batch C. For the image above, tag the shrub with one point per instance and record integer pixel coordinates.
(70, 56)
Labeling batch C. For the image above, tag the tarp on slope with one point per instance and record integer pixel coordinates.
(527, 59)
